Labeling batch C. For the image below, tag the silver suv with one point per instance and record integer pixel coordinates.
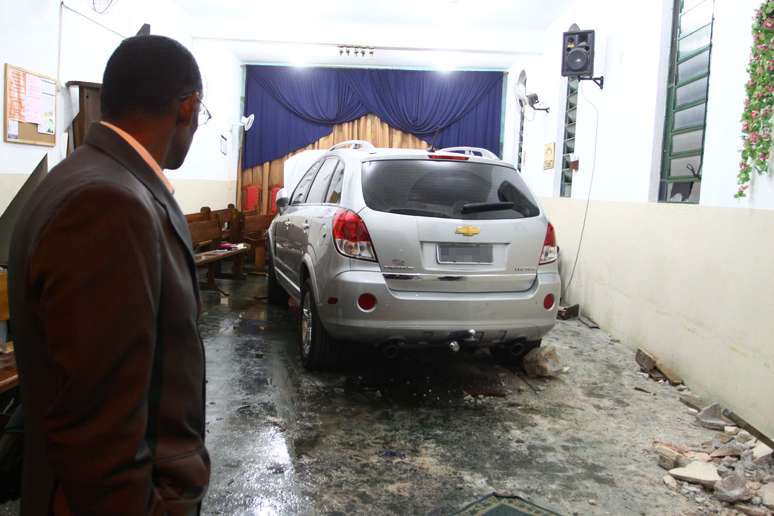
(400, 248)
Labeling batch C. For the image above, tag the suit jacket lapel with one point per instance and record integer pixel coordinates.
(109, 142)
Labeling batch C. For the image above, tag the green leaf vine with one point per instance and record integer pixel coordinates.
(759, 104)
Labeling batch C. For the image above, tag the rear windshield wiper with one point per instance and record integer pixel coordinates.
(478, 207)
(419, 213)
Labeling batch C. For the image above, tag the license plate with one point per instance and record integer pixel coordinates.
(464, 254)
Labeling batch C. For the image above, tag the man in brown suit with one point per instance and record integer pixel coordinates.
(104, 304)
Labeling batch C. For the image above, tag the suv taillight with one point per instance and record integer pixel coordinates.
(351, 236)
(550, 251)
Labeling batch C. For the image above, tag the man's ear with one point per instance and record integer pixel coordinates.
(186, 111)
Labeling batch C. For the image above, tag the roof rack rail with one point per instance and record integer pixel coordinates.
(471, 151)
(354, 144)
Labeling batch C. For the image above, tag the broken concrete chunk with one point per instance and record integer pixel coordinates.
(655, 368)
(693, 456)
(767, 495)
(542, 361)
(711, 417)
(669, 455)
(697, 472)
(721, 440)
(646, 361)
(568, 312)
(672, 376)
(670, 481)
(761, 453)
(732, 489)
(743, 436)
(732, 450)
(731, 430)
(692, 401)
(751, 510)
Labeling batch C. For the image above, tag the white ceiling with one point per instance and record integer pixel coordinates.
(406, 33)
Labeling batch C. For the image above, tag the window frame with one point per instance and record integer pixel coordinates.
(568, 142)
(325, 160)
(673, 108)
(343, 170)
(312, 170)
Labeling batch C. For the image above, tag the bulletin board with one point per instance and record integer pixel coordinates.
(30, 107)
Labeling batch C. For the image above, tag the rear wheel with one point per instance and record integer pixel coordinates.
(276, 294)
(513, 354)
(318, 349)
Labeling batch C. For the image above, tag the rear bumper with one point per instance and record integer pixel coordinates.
(426, 319)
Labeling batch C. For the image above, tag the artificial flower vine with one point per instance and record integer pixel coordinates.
(759, 104)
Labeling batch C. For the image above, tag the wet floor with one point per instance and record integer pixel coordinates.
(430, 432)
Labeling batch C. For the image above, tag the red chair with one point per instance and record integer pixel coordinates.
(252, 197)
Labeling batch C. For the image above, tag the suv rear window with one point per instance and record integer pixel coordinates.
(447, 189)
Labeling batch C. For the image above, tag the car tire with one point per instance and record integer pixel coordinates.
(275, 293)
(318, 349)
(507, 356)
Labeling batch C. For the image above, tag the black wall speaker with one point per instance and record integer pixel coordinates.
(578, 53)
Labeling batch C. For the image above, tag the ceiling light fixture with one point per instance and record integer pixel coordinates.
(356, 50)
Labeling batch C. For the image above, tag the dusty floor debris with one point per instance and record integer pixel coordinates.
(543, 362)
(735, 470)
(430, 433)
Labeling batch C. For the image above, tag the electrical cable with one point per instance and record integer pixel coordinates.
(588, 198)
(104, 9)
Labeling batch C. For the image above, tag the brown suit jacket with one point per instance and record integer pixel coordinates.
(104, 306)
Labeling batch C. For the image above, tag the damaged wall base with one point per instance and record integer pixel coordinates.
(691, 284)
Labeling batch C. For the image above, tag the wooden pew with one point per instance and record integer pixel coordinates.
(231, 224)
(206, 237)
(204, 214)
(9, 378)
(255, 227)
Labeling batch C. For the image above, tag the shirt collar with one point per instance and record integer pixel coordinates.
(143, 152)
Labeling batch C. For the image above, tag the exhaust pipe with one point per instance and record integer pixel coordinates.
(454, 346)
(391, 351)
(516, 349)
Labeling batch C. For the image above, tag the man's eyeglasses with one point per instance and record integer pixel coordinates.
(204, 113)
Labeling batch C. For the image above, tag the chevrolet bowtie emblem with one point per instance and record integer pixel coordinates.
(468, 231)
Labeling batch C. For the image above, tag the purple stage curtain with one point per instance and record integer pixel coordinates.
(295, 107)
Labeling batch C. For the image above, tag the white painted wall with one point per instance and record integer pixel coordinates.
(29, 37)
(689, 283)
(632, 51)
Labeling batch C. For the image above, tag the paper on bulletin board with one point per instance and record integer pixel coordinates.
(13, 129)
(33, 100)
(17, 90)
(47, 107)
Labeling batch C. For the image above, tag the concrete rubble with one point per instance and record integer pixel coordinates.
(696, 472)
(655, 368)
(712, 417)
(542, 362)
(767, 495)
(692, 401)
(761, 453)
(732, 473)
(732, 489)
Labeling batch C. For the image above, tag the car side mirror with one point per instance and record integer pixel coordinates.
(282, 201)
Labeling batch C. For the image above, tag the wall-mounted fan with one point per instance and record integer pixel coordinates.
(247, 121)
